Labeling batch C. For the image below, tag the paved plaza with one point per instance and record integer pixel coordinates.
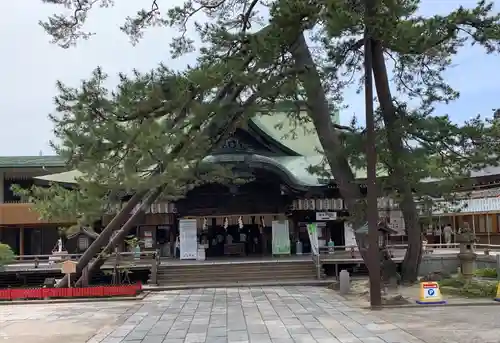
(253, 315)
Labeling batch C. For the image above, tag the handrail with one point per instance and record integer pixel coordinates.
(33, 258)
(322, 249)
(404, 246)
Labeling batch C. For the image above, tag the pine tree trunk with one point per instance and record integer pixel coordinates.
(104, 237)
(330, 139)
(122, 233)
(398, 169)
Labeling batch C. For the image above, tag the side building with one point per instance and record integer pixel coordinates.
(20, 226)
(477, 208)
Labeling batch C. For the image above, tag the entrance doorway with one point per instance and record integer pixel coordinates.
(233, 241)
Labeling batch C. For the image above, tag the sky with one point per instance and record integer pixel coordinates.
(30, 66)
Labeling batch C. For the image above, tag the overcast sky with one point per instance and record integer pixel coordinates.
(30, 66)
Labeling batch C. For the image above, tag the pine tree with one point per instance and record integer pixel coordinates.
(112, 136)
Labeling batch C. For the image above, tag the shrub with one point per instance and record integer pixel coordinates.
(487, 272)
(470, 289)
(6, 254)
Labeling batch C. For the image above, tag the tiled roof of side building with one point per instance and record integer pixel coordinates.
(31, 161)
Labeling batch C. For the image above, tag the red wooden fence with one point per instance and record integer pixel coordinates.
(86, 292)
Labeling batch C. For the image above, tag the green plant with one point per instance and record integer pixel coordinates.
(469, 289)
(452, 282)
(487, 273)
(6, 254)
(131, 242)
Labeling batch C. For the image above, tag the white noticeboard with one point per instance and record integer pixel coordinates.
(326, 215)
(188, 239)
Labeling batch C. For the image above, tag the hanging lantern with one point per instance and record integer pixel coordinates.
(226, 223)
(240, 222)
(205, 224)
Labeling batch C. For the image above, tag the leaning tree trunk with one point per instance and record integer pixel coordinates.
(227, 95)
(104, 237)
(329, 138)
(122, 233)
(399, 170)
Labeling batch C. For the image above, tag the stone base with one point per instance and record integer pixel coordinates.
(431, 302)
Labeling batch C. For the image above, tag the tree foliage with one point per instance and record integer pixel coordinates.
(257, 53)
(6, 254)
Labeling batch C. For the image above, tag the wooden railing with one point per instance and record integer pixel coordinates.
(121, 260)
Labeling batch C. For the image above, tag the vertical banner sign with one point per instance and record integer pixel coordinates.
(281, 237)
(312, 230)
(188, 239)
(349, 237)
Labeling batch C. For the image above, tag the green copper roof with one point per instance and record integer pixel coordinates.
(303, 139)
(31, 161)
(294, 168)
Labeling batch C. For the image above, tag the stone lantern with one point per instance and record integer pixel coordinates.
(467, 256)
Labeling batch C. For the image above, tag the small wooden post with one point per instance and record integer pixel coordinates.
(455, 230)
(21, 241)
(85, 276)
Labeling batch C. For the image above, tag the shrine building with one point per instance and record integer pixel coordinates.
(238, 219)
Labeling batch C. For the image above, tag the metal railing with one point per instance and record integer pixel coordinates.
(444, 246)
(348, 254)
(120, 260)
(24, 258)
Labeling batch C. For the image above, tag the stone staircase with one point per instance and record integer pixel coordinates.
(231, 273)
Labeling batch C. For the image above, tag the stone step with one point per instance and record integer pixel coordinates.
(236, 275)
(234, 268)
(255, 278)
(247, 266)
(235, 272)
(225, 284)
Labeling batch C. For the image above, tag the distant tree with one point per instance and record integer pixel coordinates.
(6, 254)
(96, 125)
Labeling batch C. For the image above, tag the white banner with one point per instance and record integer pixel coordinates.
(349, 237)
(312, 230)
(280, 237)
(188, 239)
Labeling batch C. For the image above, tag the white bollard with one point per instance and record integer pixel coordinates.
(344, 282)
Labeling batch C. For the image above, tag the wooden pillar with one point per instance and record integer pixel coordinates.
(21, 241)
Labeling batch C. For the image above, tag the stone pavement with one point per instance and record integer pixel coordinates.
(68, 323)
(245, 315)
